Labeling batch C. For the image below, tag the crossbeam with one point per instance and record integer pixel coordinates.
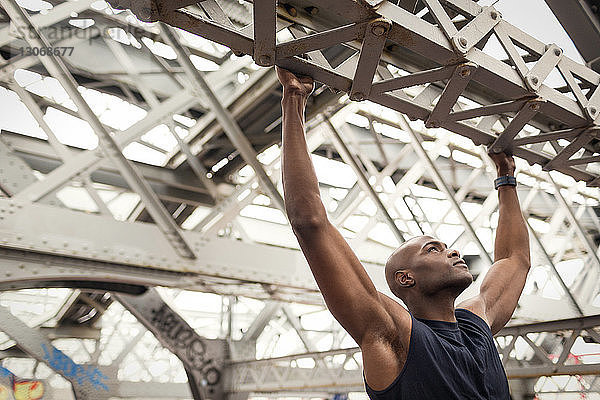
(393, 33)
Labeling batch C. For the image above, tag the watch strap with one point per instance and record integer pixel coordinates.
(504, 181)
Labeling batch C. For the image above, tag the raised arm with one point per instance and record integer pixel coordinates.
(504, 282)
(347, 289)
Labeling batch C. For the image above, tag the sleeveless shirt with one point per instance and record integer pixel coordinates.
(450, 361)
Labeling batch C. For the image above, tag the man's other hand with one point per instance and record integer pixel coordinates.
(295, 85)
(505, 163)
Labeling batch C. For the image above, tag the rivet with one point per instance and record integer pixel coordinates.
(312, 10)
(465, 72)
(534, 106)
(146, 13)
(357, 96)
(534, 80)
(264, 60)
(557, 52)
(378, 30)
(494, 14)
(291, 10)
(463, 41)
(593, 110)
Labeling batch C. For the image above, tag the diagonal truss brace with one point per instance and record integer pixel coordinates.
(57, 68)
(201, 358)
(88, 381)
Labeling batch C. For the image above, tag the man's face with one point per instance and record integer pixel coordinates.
(432, 265)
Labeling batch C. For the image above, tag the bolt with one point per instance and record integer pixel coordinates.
(557, 52)
(465, 72)
(494, 14)
(378, 30)
(312, 10)
(145, 13)
(534, 80)
(357, 96)
(264, 60)
(291, 10)
(463, 42)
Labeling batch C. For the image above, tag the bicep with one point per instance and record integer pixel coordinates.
(347, 289)
(501, 289)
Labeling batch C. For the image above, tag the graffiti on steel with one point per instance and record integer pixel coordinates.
(183, 338)
(59, 361)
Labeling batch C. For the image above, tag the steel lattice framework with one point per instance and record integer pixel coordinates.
(437, 50)
(427, 63)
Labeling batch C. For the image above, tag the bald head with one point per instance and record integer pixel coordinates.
(402, 259)
(424, 265)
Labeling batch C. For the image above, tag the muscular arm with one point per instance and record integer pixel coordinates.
(504, 282)
(347, 289)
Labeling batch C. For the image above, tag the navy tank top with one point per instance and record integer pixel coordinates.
(450, 361)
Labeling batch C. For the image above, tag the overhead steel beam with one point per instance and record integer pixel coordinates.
(230, 126)
(88, 159)
(55, 65)
(592, 251)
(67, 233)
(151, 99)
(561, 281)
(363, 181)
(443, 186)
(169, 185)
(583, 26)
(41, 20)
(61, 150)
(261, 321)
(16, 174)
(431, 45)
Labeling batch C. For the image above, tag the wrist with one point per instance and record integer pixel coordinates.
(505, 180)
(294, 95)
(506, 172)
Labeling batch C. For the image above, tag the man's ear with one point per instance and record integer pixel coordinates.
(404, 278)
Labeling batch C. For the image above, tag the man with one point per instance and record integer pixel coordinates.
(433, 350)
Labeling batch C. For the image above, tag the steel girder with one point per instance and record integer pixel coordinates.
(382, 32)
(340, 370)
(80, 262)
(57, 68)
(141, 245)
(88, 381)
(203, 359)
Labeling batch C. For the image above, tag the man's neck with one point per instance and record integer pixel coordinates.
(440, 308)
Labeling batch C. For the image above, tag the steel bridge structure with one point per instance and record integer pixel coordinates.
(156, 261)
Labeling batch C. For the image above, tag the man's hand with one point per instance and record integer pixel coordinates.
(295, 85)
(505, 163)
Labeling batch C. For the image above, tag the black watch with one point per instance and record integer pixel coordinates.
(505, 180)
